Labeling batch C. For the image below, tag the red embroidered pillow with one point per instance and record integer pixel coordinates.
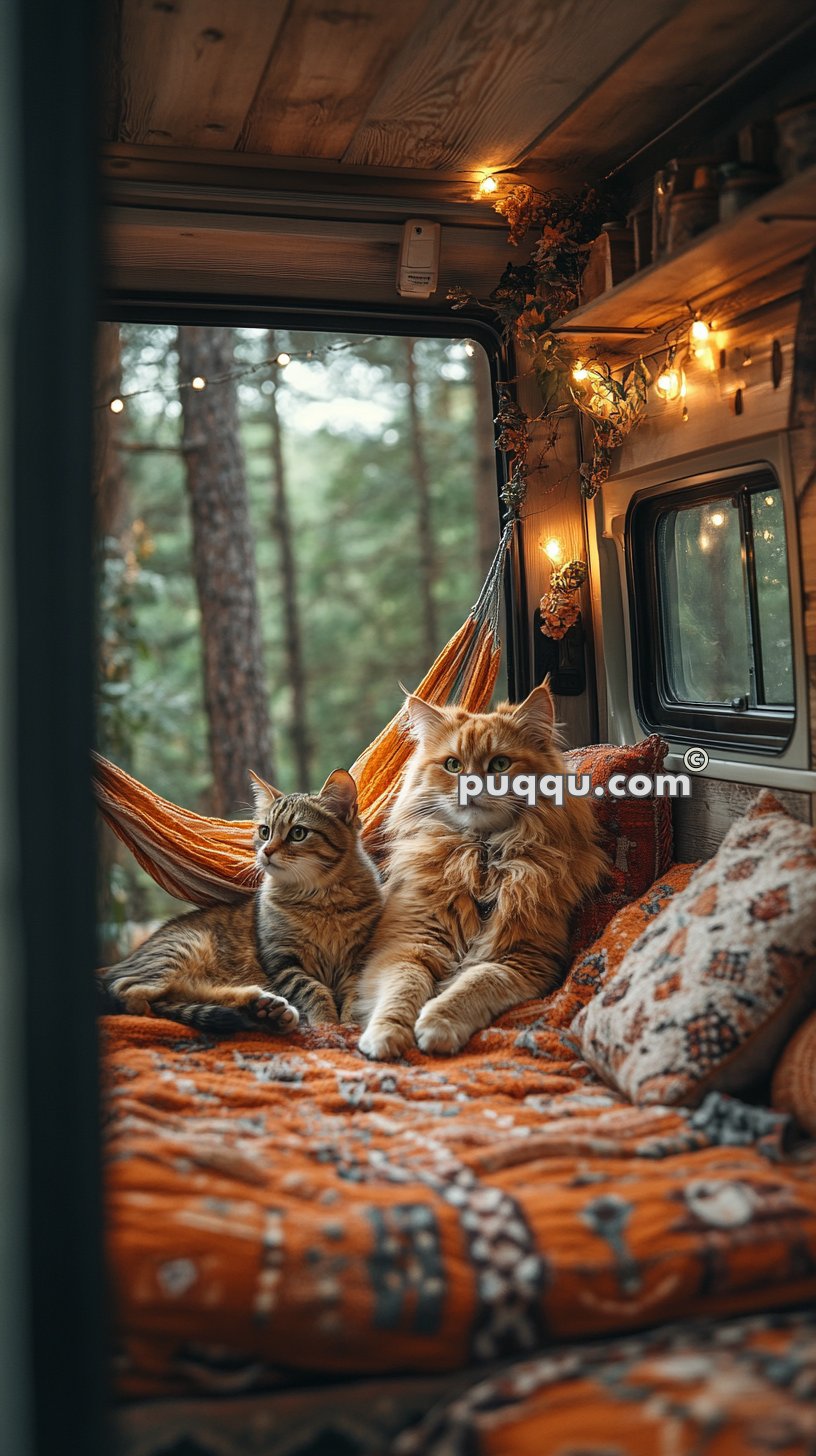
(636, 834)
(707, 997)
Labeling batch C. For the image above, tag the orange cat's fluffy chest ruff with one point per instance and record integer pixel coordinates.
(486, 886)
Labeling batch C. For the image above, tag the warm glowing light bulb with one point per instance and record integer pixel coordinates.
(669, 383)
(580, 372)
(283, 360)
(699, 333)
(116, 406)
(199, 382)
(769, 500)
(470, 349)
(717, 518)
(554, 549)
(488, 185)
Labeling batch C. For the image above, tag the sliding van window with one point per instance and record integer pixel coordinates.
(711, 612)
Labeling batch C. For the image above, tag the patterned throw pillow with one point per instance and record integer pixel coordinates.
(710, 993)
(794, 1080)
(636, 834)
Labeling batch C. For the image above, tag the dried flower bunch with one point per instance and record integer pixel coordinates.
(559, 607)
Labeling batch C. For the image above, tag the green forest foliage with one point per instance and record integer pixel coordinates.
(702, 562)
(352, 501)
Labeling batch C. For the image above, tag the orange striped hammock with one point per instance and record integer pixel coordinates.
(210, 861)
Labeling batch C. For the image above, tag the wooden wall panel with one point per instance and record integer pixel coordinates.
(325, 69)
(189, 69)
(189, 252)
(701, 821)
(554, 508)
(478, 82)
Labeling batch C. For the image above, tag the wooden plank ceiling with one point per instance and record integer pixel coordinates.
(558, 89)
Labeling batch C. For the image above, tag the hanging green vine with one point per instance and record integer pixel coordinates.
(528, 299)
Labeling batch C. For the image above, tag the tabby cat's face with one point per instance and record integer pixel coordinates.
(515, 739)
(301, 839)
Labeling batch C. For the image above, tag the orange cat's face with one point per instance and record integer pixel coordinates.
(511, 740)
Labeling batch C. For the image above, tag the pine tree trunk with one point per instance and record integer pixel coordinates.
(224, 564)
(427, 554)
(293, 637)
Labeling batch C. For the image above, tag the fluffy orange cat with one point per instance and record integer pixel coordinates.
(479, 897)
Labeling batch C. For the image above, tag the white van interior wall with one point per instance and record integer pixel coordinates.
(772, 397)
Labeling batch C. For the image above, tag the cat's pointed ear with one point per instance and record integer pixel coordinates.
(339, 794)
(423, 718)
(536, 715)
(263, 793)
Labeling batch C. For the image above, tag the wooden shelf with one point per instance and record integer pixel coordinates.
(773, 232)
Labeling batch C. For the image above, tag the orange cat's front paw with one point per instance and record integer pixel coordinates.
(435, 1032)
(383, 1041)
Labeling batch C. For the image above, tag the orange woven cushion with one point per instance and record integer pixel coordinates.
(709, 994)
(636, 834)
(794, 1082)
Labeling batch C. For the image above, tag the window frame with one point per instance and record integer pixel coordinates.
(135, 306)
(761, 728)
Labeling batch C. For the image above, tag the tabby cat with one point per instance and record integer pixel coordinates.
(479, 898)
(294, 950)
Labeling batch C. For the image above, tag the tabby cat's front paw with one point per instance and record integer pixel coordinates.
(385, 1040)
(273, 1011)
(435, 1032)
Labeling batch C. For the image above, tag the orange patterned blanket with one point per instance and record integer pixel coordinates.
(281, 1205)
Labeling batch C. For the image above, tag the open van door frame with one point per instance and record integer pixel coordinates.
(52, 1333)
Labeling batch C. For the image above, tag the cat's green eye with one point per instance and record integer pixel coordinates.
(452, 765)
(499, 764)
(264, 831)
(298, 832)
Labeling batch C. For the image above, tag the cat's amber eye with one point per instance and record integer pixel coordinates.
(452, 765)
(499, 764)
(298, 832)
(264, 831)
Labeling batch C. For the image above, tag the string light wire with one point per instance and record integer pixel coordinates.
(281, 360)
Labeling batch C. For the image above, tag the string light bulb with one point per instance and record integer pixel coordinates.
(699, 334)
(671, 381)
(554, 548)
(199, 382)
(470, 349)
(488, 185)
(769, 500)
(283, 359)
(580, 372)
(117, 405)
